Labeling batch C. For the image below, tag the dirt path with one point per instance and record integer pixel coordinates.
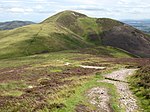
(98, 96)
(118, 78)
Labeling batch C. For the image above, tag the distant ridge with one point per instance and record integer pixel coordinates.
(14, 24)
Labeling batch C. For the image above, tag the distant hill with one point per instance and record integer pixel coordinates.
(14, 24)
(70, 30)
(143, 25)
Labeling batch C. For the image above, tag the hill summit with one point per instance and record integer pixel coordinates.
(65, 15)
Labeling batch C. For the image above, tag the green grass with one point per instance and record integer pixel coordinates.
(61, 57)
(109, 51)
(14, 93)
(56, 70)
(11, 88)
(140, 85)
(36, 39)
(12, 85)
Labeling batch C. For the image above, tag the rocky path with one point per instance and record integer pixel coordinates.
(126, 100)
(99, 97)
(118, 78)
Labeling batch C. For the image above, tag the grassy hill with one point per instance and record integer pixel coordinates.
(88, 28)
(104, 31)
(36, 39)
(70, 30)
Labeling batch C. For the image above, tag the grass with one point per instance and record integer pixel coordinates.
(140, 85)
(36, 39)
(11, 88)
(56, 70)
(14, 93)
(12, 85)
(109, 52)
(89, 30)
(60, 58)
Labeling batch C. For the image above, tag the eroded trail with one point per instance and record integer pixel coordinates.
(118, 78)
(126, 98)
(99, 97)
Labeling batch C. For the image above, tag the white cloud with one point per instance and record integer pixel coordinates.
(89, 2)
(119, 9)
(20, 10)
(38, 7)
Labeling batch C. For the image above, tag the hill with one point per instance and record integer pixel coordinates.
(70, 30)
(104, 31)
(14, 24)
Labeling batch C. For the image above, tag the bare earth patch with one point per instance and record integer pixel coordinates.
(100, 99)
(118, 78)
(93, 67)
(82, 108)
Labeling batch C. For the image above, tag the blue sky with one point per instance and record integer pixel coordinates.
(38, 10)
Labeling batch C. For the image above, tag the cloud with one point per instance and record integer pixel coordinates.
(20, 10)
(93, 9)
(117, 9)
(28, 1)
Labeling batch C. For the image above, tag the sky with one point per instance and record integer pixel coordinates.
(38, 10)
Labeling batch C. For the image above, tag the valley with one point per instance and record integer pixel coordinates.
(143, 25)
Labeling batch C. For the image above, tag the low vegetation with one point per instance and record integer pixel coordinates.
(45, 82)
(140, 84)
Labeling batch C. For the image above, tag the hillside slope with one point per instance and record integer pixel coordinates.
(14, 24)
(71, 30)
(37, 39)
(129, 39)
